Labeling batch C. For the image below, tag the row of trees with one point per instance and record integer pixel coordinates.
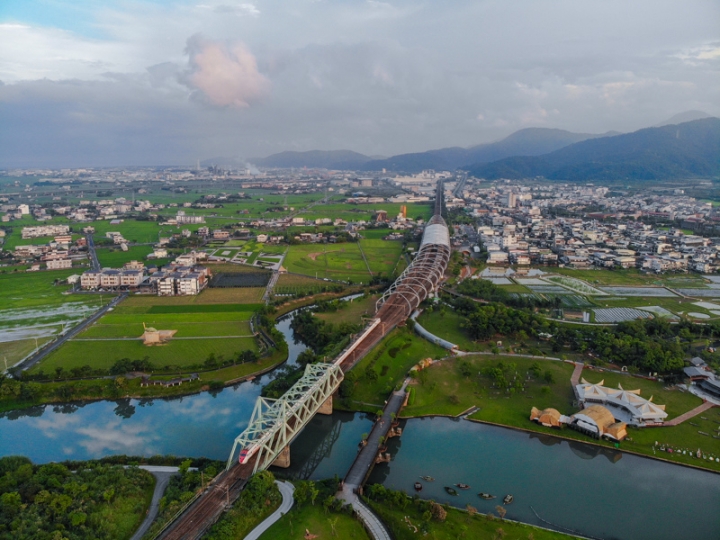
(645, 344)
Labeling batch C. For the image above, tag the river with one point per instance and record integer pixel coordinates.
(601, 494)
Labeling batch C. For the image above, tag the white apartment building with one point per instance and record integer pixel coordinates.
(59, 264)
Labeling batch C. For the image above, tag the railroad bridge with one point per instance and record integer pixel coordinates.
(275, 423)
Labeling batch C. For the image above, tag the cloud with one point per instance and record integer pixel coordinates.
(228, 76)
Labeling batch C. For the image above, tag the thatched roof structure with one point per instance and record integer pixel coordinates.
(547, 417)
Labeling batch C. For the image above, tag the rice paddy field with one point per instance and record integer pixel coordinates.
(202, 329)
(32, 306)
(297, 284)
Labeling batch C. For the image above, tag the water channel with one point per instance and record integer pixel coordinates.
(602, 494)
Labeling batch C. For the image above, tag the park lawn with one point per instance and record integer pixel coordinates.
(446, 325)
(442, 389)
(292, 526)
(103, 354)
(116, 257)
(391, 359)
(457, 524)
(676, 401)
(351, 311)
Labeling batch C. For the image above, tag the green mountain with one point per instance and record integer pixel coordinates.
(526, 142)
(690, 149)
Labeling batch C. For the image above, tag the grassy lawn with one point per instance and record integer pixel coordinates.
(677, 402)
(115, 257)
(437, 385)
(338, 261)
(104, 353)
(447, 326)
(351, 311)
(457, 524)
(391, 360)
(292, 525)
(382, 255)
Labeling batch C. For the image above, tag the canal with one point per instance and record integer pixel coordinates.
(603, 494)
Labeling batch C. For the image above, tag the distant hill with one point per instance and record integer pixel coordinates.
(332, 159)
(526, 142)
(681, 118)
(683, 150)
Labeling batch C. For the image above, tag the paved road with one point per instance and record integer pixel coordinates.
(372, 523)
(31, 361)
(94, 263)
(286, 490)
(162, 476)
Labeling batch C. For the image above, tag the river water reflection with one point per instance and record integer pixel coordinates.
(605, 495)
(596, 492)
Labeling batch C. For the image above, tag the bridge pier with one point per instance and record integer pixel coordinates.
(283, 458)
(326, 407)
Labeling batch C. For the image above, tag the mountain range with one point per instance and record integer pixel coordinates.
(685, 145)
(690, 149)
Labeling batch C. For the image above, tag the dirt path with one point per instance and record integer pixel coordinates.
(697, 410)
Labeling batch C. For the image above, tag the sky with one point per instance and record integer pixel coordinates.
(160, 82)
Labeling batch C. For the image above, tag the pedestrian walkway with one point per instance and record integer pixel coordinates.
(363, 463)
(286, 490)
(575, 377)
(697, 410)
(372, 523)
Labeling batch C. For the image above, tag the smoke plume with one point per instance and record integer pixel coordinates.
(227, 75)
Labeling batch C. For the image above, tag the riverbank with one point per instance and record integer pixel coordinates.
(455, 385)
(22, 394)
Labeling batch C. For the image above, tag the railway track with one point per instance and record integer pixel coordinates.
(422, 277)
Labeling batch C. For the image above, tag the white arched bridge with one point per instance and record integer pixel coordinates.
(275, 423)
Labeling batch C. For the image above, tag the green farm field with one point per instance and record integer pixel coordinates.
(115, 257)
(35, 289)
(335, 261)
(382, 255)
(356, 212)
(630, 277)
(102, 354)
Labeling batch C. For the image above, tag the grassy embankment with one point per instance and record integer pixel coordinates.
(457, 524)
(351, 311)
(387, 365)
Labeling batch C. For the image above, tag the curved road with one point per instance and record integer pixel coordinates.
(162, 476)
(286, 490)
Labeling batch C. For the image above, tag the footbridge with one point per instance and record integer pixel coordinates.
(276, 423)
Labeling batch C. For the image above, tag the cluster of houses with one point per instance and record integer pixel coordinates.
(184, 276)
(58, 253)
(519, 225)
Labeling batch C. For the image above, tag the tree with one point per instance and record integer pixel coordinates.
(333, 523)
(313, 491)
(501, 511)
